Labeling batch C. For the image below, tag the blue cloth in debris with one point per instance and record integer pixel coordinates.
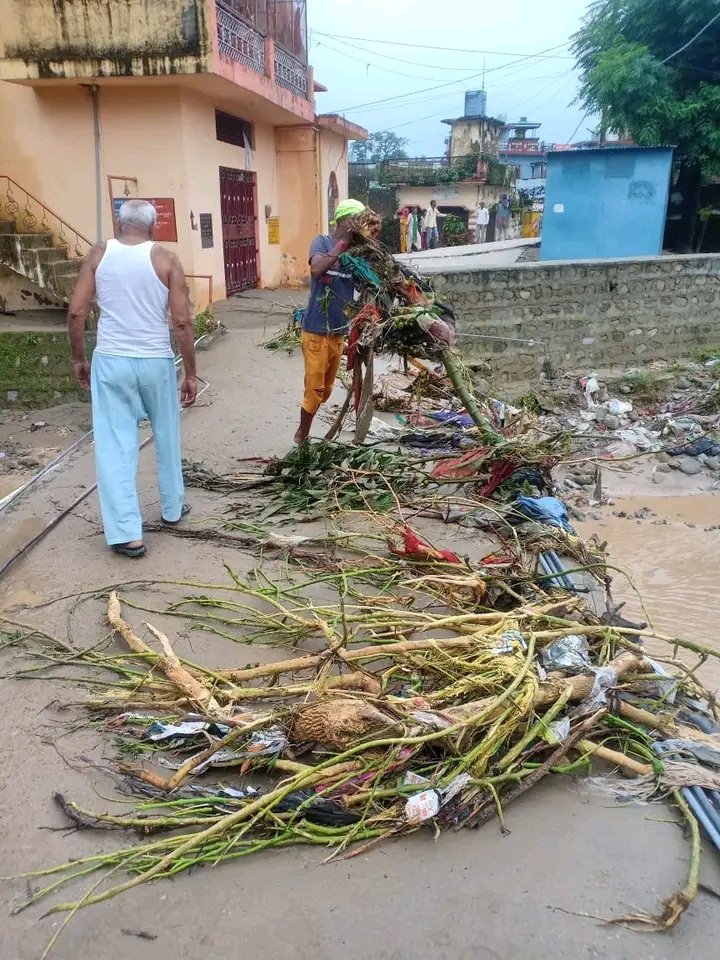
(126, 390)
(447, 416)
(696, 448)
(548, 510)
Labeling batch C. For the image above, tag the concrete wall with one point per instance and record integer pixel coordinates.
(474, 136)
(86, 38)
(333, 159)
(592, 316)
(300, 210)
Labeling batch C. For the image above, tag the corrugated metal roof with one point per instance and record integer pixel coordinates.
(572, 151)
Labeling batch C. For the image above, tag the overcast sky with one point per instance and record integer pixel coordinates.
(358, 71)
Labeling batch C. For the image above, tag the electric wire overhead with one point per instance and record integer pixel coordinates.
(433, 46)
(448, 83)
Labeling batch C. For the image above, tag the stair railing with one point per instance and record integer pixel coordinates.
(33, 216)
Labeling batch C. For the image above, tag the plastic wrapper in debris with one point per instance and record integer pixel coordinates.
(316, 809)
(701, 720)
(591, 387)
(262, 743)
(427, 803)
(640, 437)
(619, 449)
(618, 407)
(380, 430)
(605, 679)
(414, 779)
(158, 731)
(706, 754)
(223, 793)
(570, 654)
(620, 789)
(667, 687)
(433, 720)
(422, 806)
(558, 731)
(509, 641)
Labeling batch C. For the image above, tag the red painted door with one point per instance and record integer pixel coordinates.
(239, 229)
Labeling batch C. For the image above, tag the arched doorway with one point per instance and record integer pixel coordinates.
(333, 195)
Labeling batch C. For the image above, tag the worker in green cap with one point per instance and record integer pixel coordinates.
(325, 324)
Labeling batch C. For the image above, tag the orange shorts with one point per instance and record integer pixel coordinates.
(322, 355)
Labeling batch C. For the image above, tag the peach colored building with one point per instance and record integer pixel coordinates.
(204, 106)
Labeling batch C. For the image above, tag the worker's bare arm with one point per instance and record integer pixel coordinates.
(320, 263)
(80, 304)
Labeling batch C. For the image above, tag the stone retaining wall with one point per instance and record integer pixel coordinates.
(586, 315)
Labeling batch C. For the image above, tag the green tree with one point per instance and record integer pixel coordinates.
(647, 74)
(379, 146)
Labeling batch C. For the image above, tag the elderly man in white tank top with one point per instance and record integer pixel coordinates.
(133, 373)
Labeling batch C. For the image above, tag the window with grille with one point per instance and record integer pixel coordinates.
(233, 130)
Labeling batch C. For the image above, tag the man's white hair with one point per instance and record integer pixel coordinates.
(137, 213)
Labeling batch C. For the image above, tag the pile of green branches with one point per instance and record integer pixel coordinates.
(320, 476)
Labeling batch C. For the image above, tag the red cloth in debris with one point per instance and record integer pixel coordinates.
(413, 548)
(494, 559)
(460, 468)
(368, 314)
(414, 294)
(501, 472)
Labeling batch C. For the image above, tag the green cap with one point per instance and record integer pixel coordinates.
(348, 208)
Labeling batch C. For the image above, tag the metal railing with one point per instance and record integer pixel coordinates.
(290, 73)
(239, 41)
(30, 215)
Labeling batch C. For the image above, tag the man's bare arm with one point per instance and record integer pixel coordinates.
(180, 313)
(81, 301)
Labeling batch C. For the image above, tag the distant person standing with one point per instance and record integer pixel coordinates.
(482, 220)
(413, 231)
(431, 225)
(133, 372)
(404, 213)
(502, 218)
(423, 230)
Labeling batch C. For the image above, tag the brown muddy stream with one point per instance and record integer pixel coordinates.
(675, 565)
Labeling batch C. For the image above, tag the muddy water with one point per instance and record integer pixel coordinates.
(675, 565)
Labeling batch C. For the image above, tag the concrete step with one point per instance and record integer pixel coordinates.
(34, 241)
(50, 254)
(7, 226)
(43, 320)
(67, 268)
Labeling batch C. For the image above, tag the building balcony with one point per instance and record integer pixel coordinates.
(258, 45)
(522, 147)
(433, 171)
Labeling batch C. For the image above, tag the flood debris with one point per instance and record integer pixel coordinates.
(420, 687)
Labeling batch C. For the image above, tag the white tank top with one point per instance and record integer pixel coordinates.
(133, 303)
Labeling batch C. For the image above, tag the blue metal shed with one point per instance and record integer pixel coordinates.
(605, 202)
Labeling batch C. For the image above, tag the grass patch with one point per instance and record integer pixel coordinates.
(703, 354)
(644, 385)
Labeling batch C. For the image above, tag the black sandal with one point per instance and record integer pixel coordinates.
(186, 508)
(133, 553)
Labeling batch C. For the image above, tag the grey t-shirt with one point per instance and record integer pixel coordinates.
(326, 307)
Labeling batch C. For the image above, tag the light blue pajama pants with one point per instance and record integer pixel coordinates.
(125, 391)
